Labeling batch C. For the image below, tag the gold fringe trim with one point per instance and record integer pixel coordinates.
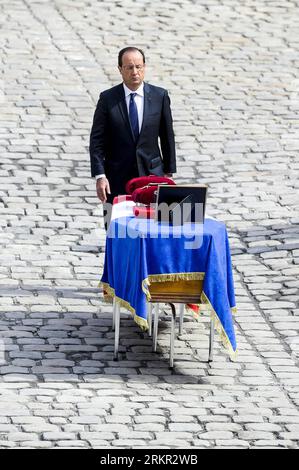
(223, 336)
(108, 298)
(196, 276)
(110, 293)
(234, 310)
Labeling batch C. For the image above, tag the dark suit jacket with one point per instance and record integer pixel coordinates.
(114, 151)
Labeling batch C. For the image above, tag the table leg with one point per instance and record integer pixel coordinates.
(116, 334)
(113, 314)
(182, 309)
(172, 335)
(149, 317)
(211, 345)
(155, 332)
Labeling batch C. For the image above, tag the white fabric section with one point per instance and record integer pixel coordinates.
(122, 209)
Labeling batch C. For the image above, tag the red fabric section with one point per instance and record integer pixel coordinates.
(144, 212)
(194, 307)
(122, 198)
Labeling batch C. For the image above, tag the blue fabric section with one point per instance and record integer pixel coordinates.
(137, 248)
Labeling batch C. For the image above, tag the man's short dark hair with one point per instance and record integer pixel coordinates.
(129, 49)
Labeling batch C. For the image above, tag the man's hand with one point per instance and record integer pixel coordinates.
(168, 175)
(103, 188)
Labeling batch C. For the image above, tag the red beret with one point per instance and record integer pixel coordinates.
(145, 195)
(142, 181)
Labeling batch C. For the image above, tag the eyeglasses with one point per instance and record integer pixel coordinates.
(129, 68)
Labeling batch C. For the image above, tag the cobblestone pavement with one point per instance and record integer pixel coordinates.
(232, 71)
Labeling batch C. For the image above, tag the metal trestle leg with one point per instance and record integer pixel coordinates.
(211, 345)
(113, 314)
(116, 333)
(182, 310)
(150, 317)
(155, 332)
(172, 335)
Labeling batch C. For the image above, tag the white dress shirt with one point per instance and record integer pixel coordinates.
(139, 100)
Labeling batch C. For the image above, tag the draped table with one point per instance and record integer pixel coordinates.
(140, 252)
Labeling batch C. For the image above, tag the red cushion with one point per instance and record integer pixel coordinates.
(142, 181)
(144, 212)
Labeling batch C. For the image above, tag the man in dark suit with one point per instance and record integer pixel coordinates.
(130, 121)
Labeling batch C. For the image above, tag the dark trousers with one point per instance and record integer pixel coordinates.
(107, 210)
(107, 207)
